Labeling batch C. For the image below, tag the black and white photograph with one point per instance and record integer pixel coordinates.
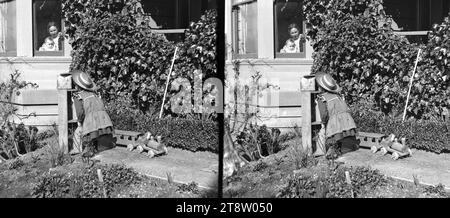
(337, 99)
(231, 101)
(95, 99)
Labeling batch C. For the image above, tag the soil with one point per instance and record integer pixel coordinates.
(18, 182)
(266, 177)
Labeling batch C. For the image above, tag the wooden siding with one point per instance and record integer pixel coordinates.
(278, 107)
(42, 101)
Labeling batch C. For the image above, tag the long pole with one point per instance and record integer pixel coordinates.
(410, 84)
(167, 83)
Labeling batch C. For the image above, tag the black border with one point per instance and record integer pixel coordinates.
(167, 207)
(220, 49)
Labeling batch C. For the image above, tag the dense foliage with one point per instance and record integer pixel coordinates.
(432, 84)
(84, 184)
(189, 134)
(354, 42)
(120, 55)
(113, 42)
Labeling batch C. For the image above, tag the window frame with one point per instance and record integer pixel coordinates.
(277, 53)
(169, 31)
(421, 13)
(235, 32)
(12, 53)
(36, 52)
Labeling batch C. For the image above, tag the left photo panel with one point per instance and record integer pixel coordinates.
(109, 99)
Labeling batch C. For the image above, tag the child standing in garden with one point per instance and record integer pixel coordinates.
(340, 128)
(96, 126)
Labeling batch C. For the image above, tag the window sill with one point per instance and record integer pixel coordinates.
(8, 54)
(49, 53)
(37, 59)
(276, 61)
(290, 55)
(245, 56)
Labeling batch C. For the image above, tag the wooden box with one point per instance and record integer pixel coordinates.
(308, 83)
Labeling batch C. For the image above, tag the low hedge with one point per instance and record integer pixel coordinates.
(189, 134)
(428, 135)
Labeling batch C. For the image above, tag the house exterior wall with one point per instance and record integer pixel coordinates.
(40, 70)
(279, 107)
(43, 100)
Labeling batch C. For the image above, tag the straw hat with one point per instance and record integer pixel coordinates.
(327, 82)
(83, 80)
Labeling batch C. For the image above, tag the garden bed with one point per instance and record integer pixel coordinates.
(279, 176)
(33, 176)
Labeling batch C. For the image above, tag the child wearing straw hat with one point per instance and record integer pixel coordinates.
(340, 128)
(97, 129)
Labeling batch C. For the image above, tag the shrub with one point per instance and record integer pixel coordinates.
(193, 135)
(261, 165)
(112, 42)
(334, 184)
(120, 55)
(15, 164)
(14, 139)
(428, 135)
(367, 61)
(258, 141)
(191, 187)
(198, 50)
(353, 41)
(319, 12)
(84, 184)
(438, 189)
(432, 83)
(299, 187)
(48, 133)
(51, 186)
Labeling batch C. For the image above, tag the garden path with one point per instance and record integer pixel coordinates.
(429, 168)
(184, 166)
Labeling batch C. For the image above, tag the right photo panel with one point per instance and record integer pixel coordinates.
(336, 99)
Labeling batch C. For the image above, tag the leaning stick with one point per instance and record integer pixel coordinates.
(100, 178)
(410, 84)
(349, 182)
(167, 83)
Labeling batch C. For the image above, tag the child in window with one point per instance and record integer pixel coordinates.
(289, 47)
(49, 45)
(340, 128)
(96, 126)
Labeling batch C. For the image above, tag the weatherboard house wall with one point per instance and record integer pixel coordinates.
(42, 70)
(280, 107)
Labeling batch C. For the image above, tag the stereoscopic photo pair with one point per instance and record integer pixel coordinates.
(229, 99)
